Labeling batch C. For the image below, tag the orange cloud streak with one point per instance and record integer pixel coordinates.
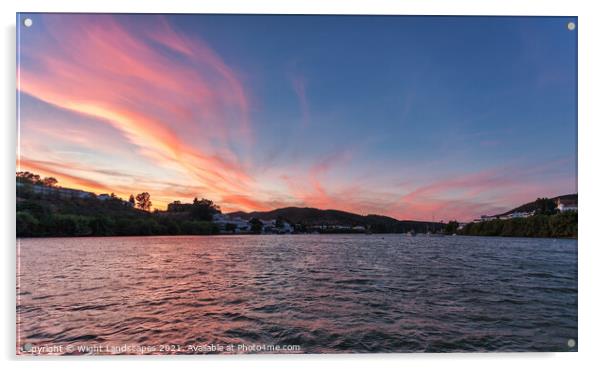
(65, 179)
(102, 69)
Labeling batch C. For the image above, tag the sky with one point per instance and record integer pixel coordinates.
(426, 118)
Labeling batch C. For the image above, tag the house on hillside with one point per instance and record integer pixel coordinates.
(237, 223)
(178, 206)
(521, 214)
(274, 226)
(564, 205)
(62, 192)
(107, 197)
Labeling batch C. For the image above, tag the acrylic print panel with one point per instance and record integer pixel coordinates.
(232, 184)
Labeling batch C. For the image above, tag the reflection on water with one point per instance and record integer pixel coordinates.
(318, 293)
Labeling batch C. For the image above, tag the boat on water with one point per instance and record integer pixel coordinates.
(411, 233)
(431, 234)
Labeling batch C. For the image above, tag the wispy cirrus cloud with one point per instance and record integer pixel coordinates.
(171, 96)
(137, 104)
(63, 175)
(299, 86)
(483, 192)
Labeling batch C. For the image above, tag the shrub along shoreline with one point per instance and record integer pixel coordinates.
(560, 225)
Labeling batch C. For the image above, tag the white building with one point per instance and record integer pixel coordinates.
(58, 191)
(521, 214)
(516, 214)
(566, 205)
(222, 221)
(269, 226)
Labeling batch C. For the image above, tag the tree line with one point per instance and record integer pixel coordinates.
(50, 215)
(558, 225)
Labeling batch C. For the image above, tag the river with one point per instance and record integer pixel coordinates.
(295, 294)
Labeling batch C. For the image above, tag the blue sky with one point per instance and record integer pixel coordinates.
(413, 117)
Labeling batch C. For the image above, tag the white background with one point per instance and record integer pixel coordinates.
(590, 162)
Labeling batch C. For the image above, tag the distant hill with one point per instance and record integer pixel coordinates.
(316, 217)
(540, 204)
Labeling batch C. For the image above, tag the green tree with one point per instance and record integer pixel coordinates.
(199, 227)
(545, 206)
(28, 177)
(144, 202)
(26, 224)
(35, 208)
(203, 209)
(171, 226)
(256, 225)
(451, 227)
(49, 181)
(230, 227)
(70, 225)
(300, 228)
(563, 225)
(379, 228)
(102, 226)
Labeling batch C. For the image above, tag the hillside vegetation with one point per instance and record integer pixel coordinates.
(561, 225)
(53, 216)
(547, 221)
(309, 217)
(541, 205)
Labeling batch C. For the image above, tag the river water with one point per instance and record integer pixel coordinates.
(295, 294)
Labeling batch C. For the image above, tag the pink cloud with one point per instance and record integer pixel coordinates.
(484, 192)
(99, 67)
(181, 107)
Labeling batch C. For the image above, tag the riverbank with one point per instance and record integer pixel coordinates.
(560, 225)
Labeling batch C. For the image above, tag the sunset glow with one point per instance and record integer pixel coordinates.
(260, 112)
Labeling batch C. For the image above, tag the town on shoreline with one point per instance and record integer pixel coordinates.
(46, 210)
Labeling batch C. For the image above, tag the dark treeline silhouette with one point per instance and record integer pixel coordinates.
(203, 209)
(546, 223)
(43, 210)
(31, 178)
(46, 210)
(307, 219)
(561, 225)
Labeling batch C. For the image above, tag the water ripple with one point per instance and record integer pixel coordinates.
(339, 293)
